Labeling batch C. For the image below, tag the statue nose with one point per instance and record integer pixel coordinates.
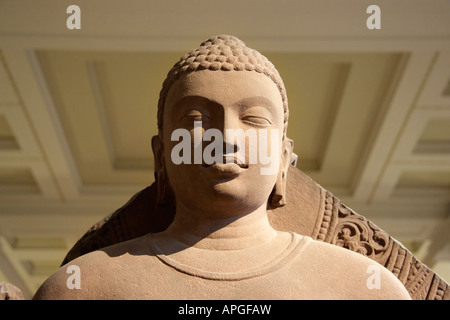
(231, 147)
(229, 121)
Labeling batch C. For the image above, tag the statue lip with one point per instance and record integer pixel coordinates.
(229, 169)
(229, 160)
(230, 166)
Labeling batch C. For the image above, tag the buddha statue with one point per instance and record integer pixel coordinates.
(221, 243)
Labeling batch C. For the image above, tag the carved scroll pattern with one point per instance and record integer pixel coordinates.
(357, 234)
(343, 227)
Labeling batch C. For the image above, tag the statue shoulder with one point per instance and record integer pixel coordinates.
(95, 275)
(73, 280)
(357, 276)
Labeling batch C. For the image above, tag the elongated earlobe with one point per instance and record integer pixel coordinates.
(165, 194)
(278, 195)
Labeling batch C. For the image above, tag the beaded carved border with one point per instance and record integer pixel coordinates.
(341, 226)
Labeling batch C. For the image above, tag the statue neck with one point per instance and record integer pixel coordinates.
(203, 231)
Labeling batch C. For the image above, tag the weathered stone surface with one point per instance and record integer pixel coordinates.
(9, 291)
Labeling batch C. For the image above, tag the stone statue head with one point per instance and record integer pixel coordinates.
(223, 68)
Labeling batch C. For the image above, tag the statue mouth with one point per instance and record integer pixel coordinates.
(229, 170)
(231, 166)
(229, 161)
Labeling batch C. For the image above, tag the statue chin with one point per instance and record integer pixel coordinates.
(228, 200)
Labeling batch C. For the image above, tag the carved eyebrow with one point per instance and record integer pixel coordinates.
(187, 101)
(257, 101)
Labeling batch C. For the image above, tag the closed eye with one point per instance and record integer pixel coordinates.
(195, 115)
(256, 115)
(256, 120)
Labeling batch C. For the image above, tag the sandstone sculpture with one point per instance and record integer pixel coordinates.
(9, 291)
(225, 230)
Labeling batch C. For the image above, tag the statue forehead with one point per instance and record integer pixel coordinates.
(224, 87)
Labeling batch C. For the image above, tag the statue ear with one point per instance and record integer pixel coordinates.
(278, 195)
(163, 186)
